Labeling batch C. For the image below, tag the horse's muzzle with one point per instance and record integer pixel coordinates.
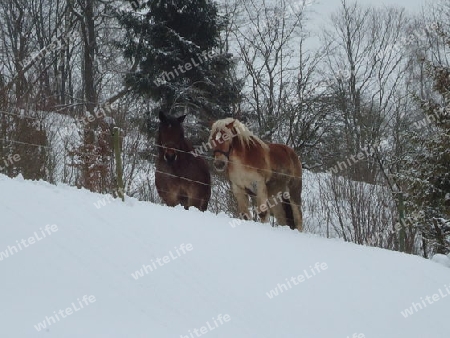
(219, 165)
(170, 158)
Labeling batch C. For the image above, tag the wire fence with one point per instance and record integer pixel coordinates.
(25, 143)
(197, 152)
(210, 158)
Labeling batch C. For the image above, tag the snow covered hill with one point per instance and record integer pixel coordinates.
(72, 267)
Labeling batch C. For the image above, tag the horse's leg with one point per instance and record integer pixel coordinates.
(183, 198)
(295, 191)
(261, 202)
(203, 201)
(200, 203)
(193, 199)
(198, 187)
(198, 196)
(279, 214)
(168, 195)
(203, 206)
(242, 201)
(170, 198)
(273, 189)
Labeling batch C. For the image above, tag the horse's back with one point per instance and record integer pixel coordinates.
(284, 160)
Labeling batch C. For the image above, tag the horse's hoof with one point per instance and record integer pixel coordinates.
(244, 216)
(263, 216)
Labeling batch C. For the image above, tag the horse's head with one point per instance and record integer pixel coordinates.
(221, 141)
(170, 136)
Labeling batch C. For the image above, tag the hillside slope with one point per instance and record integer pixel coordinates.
(201, 276)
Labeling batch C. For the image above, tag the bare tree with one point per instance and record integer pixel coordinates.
(265, 35)
(364, 55)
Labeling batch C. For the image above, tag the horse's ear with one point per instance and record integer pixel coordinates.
(230, 125)
(181, 118)
(162, 117)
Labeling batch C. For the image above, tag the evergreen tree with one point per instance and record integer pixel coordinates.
(175, 43)
(427, 172)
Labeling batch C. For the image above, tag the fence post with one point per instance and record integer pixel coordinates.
(119, 172)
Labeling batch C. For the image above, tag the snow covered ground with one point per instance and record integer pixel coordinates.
(73, 269)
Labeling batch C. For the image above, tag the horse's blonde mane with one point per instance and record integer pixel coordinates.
(244, 135)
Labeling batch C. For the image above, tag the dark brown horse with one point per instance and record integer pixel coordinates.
(270, 172)
(181, 177)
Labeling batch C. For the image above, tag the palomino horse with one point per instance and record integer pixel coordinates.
(180, 178)
(270, 172)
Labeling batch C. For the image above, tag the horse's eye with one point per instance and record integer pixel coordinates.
(218, 136)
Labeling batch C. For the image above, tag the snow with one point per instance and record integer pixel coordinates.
(218, 288)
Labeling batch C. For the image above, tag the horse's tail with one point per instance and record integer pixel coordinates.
(289, 213)
(295, 193)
